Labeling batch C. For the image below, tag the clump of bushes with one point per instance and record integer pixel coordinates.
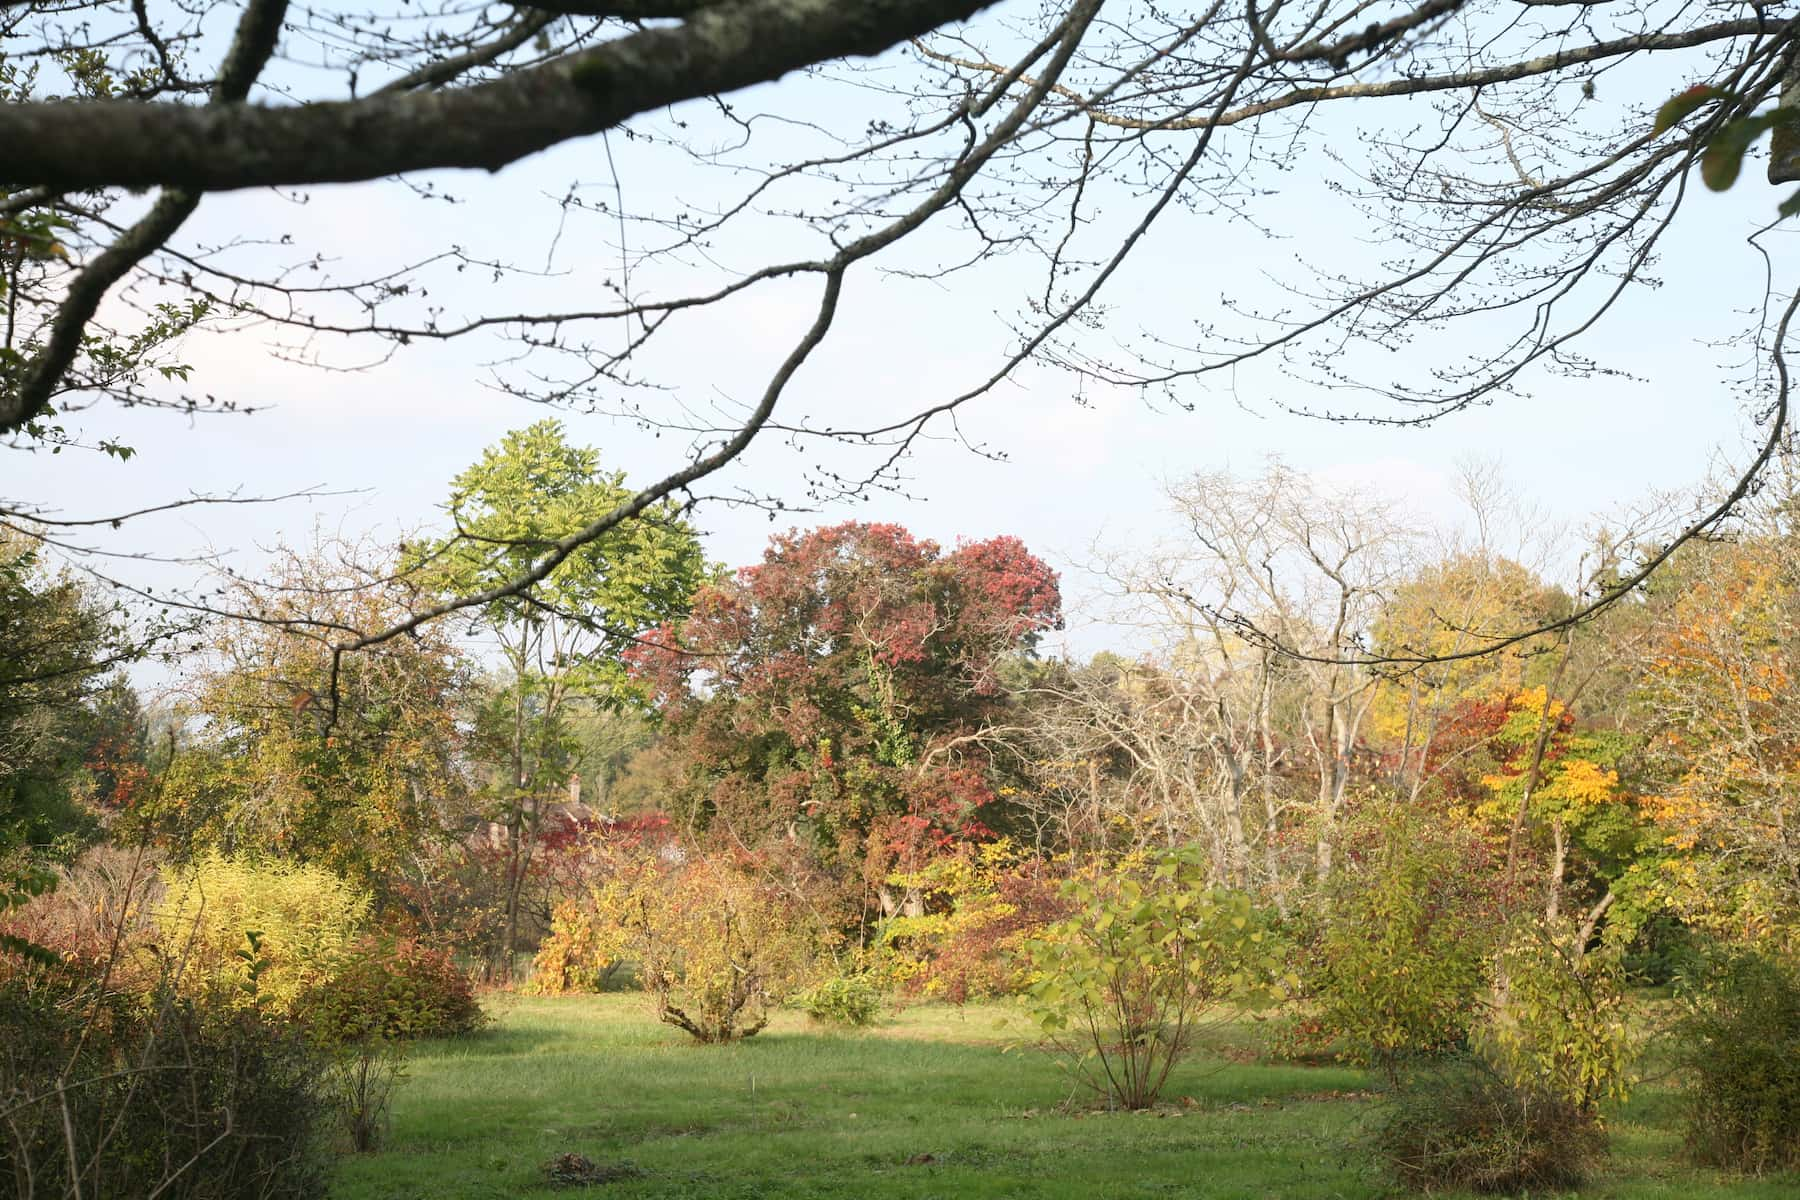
(854, 999)
(173, 1098)
(308, 957)
(284, 942)
(1397, 970)
(1462, 1125)
(244, 1014)
(1520, 1110)
(306, 919)
(980, 905)
(1740, 1040)
(392, 989)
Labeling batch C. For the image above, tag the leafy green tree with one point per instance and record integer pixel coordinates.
(560, 640)
(350, 764)
(59, 645)
(510, 507)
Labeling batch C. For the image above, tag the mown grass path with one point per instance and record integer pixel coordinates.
(932, 1105)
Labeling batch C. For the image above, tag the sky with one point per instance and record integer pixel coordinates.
(1080, 472)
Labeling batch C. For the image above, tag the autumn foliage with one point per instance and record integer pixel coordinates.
(837, 692)
(719, 944)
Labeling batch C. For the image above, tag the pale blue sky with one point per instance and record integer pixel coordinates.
(397, 433)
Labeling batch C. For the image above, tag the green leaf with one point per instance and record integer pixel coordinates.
(1678, 106)
(12, 943)
(1724, 154)
(1722, 160)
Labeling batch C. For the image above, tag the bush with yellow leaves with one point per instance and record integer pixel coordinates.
(304, 920)
(979, 905)
(719, 943)
(588, 939)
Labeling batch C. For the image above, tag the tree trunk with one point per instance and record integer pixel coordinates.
(1271, 841)
(1560, 852)
(1784, 140)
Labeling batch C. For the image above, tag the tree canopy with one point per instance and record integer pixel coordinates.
(841, 689)
(59, 645)
(525, 494)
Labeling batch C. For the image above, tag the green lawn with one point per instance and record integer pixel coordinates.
(932, 1104)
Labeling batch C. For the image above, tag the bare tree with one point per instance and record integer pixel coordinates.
(1246, 729)
(1505, 147)
(1124, 755)
(1279, 561)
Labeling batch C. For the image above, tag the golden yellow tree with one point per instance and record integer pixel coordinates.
(1724, 722)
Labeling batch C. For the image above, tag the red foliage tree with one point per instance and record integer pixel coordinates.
(835, 692)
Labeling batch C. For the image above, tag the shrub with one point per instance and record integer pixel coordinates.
(1121, 986)
(717, 947)
(171, 1099)
(982, 903)
(96, 912)
(1398, 967)
(579, 954)
(587, 940)
(1562, 1028)
(1740, 1039)
(390, 988)
(854, 999)
(359, 1085)
(306, 918)
(1463, 1125)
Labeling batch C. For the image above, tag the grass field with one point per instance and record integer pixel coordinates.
(932, 1104)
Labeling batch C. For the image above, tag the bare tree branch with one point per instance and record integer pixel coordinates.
(720, 49)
